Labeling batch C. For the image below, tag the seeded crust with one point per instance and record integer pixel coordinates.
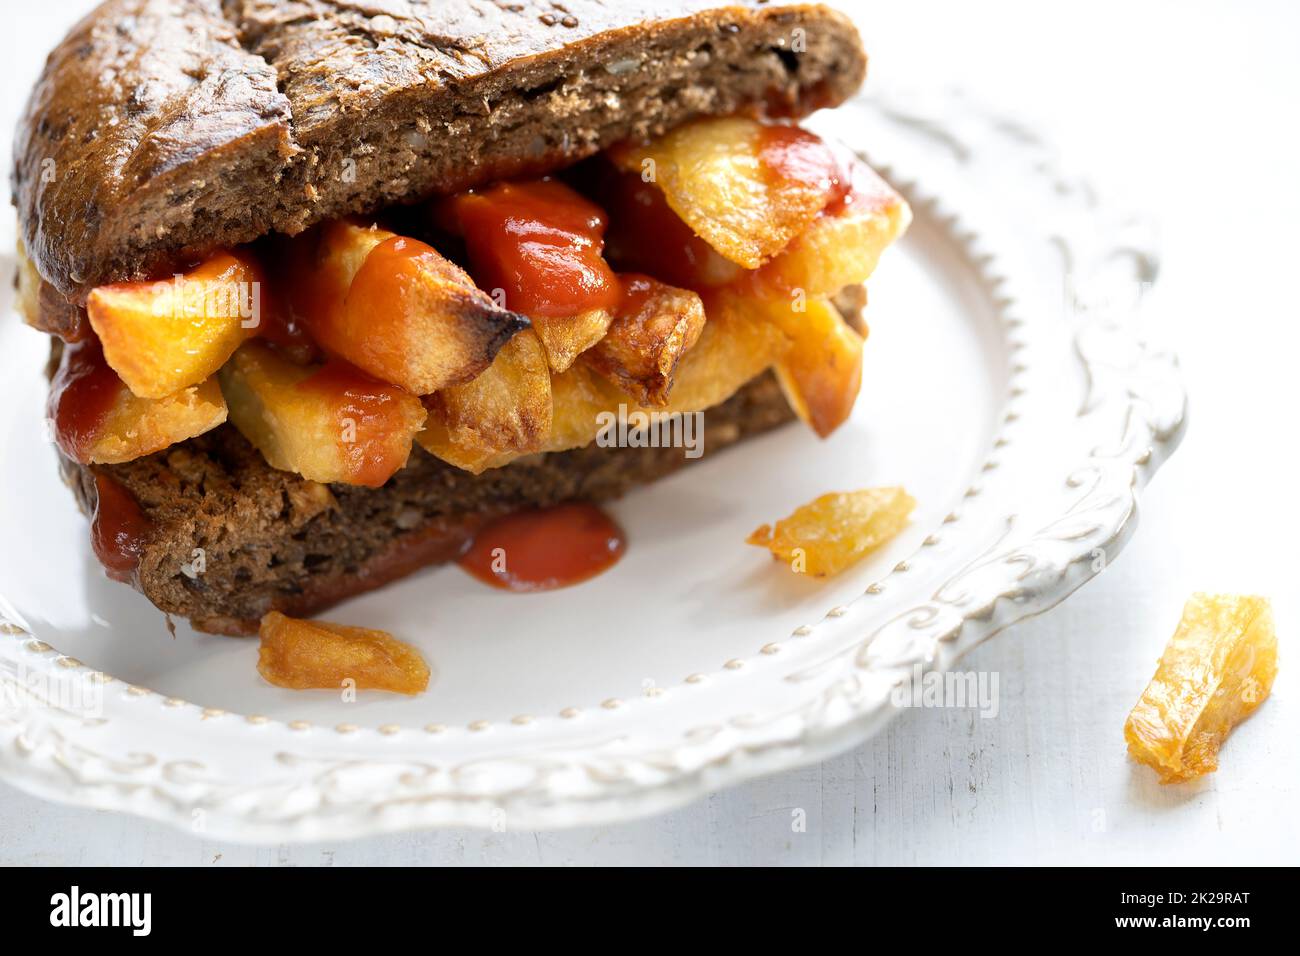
(273, 540)
(161, 129)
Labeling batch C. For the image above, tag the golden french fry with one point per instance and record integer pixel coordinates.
(328, 424)
(578, 397)
(98, 420)
(394, 307)
(564, 339)
(656, 326)
(729, 180)
(306, 655)
(501, 415)
(836, 530)
(821, 372)
(1216, 670)
(738, 343)
(161, 337)
(841, 248)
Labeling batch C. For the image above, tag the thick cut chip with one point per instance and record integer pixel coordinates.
(516, 408)
(318, 655)
(842, 245)
(564, 339)
(394, 307)
(97, 420)
(655, 327)
(836, 530)
(501, 415)
(738, 343)
(745, 188)
(821, 373)
(1217, 668)
(27, 293)
(496, 425)
(163, 336)
(328, 424)
(581, 400)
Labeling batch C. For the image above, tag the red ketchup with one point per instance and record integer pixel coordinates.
(283, 328)
(545, 550)
(82, 394)
(119, 530)
(370, 406)
(540, 242)
(792, 155)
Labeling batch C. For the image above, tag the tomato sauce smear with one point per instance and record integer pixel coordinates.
(119, 529)
(546, 549)
(539, 242)
(793, 155)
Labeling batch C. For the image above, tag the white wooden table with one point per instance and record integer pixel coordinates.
(1186, 110)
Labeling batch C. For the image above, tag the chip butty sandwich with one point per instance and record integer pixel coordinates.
(332, 285)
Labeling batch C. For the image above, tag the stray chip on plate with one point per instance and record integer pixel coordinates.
(306, 655)
(836, 530)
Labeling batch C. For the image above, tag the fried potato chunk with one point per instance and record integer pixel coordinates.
(578, 398)
(495, 426)
(737, 344)
(745, 188)
(394, 307)
(98, 421)
(539, 245)
(328, 424)
(497, 417)
(834, 531)
(1217, 668)
(821, 374)
(318, 655)
(27, 290)
(163, 336)
(842, 247)
(567, 337)
(655, 327)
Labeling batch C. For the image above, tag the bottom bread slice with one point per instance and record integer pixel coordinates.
(272, 540)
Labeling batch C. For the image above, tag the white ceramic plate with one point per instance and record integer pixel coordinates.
(1007, 386)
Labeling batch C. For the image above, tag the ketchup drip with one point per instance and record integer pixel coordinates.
(363, 409)
(541, 242)
(82, 394)
(545, 550)
(637, 291)
(792, 155)
(119, 530)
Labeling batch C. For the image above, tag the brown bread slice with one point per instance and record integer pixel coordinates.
(162, 128)
(273, 540)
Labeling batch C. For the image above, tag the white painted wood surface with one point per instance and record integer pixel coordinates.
(1186, 110)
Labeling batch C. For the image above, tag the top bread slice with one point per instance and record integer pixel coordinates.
(161, 129)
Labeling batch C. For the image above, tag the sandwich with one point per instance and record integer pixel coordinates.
(332, 286)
